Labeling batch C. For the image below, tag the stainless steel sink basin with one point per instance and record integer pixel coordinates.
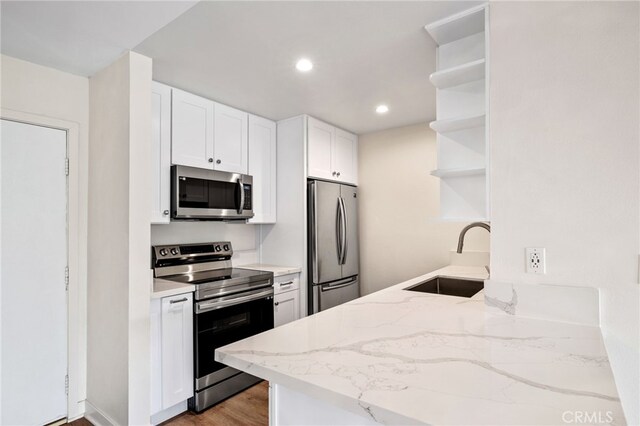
(449, 286)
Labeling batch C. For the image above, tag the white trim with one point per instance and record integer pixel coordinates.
(76, 319)
(97, 417)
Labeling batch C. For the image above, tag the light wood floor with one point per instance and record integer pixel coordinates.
(248, 408)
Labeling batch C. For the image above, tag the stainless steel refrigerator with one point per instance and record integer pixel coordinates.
(333, 245)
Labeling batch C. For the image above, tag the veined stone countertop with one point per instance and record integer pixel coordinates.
(401, 357)
(164, 288)
(278, 271)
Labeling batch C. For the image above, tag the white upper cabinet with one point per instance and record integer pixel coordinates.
(192, 130)
(161, 152)
(262, 166)
(230, 139)
(344, 156)
(320, 140)
(331, 153)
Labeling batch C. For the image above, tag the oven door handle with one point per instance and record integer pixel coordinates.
(218, 304)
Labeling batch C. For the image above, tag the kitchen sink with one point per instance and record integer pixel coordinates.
(450, 286)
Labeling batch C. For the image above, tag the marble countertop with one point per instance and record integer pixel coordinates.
(164, 288)
(401, 357)
(278, 271)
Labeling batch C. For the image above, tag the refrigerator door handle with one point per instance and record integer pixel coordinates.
(339, 231)
(314, 233)
(344, 232)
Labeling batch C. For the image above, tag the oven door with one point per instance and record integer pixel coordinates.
(224, 320)
(209, 194)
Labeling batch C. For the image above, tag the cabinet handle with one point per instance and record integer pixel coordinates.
(166, 212)
(334, 173)
(218, 161)
(211, 160)
(338, 174)
(287, 283)
(276, 303)
(184, 299)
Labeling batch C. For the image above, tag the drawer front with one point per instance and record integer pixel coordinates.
(286, 283)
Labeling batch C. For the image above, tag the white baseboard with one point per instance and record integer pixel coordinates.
(170, 412)
(97, 417)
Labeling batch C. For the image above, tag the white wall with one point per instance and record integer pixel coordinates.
(119, 240)
(564, 148)
(400, 235)
(39, 90)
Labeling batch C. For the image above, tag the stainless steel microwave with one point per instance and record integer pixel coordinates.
(201, 194)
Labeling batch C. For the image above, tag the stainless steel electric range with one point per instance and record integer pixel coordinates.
(230, 304)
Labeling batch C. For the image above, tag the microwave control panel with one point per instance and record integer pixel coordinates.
(247, 197)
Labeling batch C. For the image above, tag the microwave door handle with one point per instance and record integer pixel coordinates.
(241, 187)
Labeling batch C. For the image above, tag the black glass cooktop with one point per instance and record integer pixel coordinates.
(204, 277)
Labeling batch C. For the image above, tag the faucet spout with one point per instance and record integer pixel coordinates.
(466, 228)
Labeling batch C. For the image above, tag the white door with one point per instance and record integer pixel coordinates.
(262, 166)
(320, 139)
(33, 261)
(230, 139)
(160, 152)
(191, 130)
(345, 156)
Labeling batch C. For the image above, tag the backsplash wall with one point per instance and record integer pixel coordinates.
(243, 237)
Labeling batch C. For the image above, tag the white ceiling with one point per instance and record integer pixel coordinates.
(364, 53)
(80, 37)
(243, 53)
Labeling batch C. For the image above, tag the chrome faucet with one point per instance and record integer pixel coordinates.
(466, 228)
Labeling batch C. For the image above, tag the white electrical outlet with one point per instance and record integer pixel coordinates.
(535, 260)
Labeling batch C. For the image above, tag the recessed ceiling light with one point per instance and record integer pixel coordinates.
(382, 109)
(304, 65)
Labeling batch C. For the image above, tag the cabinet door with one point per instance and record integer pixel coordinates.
(161, 152)
(344, 157)
(230, 139)
(319, 141)
(262, 166)
(191, 130)
(286, 307)
(177, 349)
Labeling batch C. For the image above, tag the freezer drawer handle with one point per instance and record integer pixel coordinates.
(335, 287)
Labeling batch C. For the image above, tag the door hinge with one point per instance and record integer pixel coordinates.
(66, 278)
(66, 384)
(66, 166)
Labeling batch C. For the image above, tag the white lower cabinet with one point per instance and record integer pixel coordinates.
(171, 351)
(286, 299)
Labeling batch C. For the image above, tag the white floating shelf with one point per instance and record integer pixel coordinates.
(446, 173)
(461, 74)
(457, 26)
(454, 124)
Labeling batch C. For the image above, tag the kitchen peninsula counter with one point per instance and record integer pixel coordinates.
(402, 357)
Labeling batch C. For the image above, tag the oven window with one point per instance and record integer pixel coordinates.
(208, 194)
(220, 327)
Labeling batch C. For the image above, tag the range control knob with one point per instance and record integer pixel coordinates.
(163, 252)
(174, 251)
(218, 248)
(226, 247)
